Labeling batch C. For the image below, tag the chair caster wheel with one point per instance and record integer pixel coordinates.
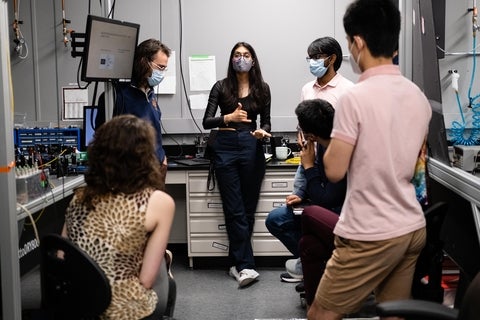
(303, 301)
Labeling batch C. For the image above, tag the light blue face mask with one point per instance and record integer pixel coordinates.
(156, 77)
(317, 67)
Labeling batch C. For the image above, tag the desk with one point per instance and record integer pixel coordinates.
(48, 212)
(63, 187)
(177, 185)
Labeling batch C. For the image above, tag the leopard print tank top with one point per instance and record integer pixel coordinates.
(114, 235)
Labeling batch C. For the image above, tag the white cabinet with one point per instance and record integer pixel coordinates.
(206, 231)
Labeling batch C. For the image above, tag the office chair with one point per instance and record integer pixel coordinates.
(428, 310)
(73, 287)
(76, 288)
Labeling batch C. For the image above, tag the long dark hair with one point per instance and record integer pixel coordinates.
(122, 159)
(143, 56)
(258, 88)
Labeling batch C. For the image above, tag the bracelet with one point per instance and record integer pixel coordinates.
(225, 120)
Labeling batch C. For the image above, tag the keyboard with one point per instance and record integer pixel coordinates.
(193, 162)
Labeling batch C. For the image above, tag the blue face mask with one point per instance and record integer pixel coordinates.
(156, 77)
(317, 67)
(242, 65)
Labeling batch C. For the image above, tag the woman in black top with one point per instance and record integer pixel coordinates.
(239, 158)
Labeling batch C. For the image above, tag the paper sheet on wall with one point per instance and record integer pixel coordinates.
(198, 101)
(202, 72)
(73, 101)
(169, 84)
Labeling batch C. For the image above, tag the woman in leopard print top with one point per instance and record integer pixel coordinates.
(122, 218)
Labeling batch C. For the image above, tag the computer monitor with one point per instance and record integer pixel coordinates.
(93, 118)
(109, 49)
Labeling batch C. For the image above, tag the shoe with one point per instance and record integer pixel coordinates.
(294, 268)
(247, 276)
(234, 273)
(168, 261)
(286, 277)
(300, 287)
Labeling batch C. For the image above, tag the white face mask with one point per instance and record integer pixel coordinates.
(354, 64)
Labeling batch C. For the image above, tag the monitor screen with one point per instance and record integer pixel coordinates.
(93, 117)
(109, 49)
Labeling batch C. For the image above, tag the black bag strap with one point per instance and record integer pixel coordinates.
(211, 176)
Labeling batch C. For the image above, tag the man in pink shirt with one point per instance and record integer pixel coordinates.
(379, 128)
(324, 59)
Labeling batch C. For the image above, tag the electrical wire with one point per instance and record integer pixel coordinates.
(184, 86)
(182, 76)
(78, 75)
(458, 131)
(31, 220)
(19, 40)
(112, 10)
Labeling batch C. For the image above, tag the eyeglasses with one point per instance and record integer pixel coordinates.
(159, 67)
(246, 55)
(317, 57)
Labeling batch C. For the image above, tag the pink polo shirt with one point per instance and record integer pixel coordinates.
(385, 116)
(330, 92)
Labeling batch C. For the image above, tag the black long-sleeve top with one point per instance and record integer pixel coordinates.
(216, 99)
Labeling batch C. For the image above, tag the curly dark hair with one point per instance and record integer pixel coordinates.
(143, 56)
(122, 159)
(258, 87)
(315, 117)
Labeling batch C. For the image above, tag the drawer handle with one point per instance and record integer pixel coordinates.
(222, 227)
(279, 185)
(215, 205)
(219, 246)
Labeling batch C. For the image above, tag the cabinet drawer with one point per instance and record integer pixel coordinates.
(212, 203)
(272, 182)
(205, 204)
(278, 182)
(208, 225)
(217, 225)
(219, 246)
(268, 245)
(268, 202)
(197, 182)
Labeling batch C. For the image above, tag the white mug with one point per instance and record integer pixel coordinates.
(282, 153)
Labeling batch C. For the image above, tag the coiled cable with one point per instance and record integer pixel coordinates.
(458, 132)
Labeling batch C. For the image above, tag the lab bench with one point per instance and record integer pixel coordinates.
(198, 221)
(461, 228)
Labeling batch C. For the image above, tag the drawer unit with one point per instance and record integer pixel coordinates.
(206, 230)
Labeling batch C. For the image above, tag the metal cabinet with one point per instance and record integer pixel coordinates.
(206, 229)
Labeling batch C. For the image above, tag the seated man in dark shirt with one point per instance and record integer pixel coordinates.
(315, 119)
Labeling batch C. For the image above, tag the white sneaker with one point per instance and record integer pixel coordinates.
(234, 273)
(294, 268)
(247, 276)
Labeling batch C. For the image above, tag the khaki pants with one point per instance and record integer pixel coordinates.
(358, 268)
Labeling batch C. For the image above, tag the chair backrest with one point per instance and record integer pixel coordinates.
(470, 308)
(73, 286)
